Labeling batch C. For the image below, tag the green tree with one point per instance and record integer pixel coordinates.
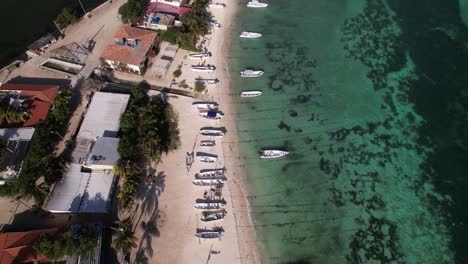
(81, 242)
(65, 18)
(124, 238)
(132, 10)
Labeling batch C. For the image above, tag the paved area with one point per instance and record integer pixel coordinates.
(101, 26)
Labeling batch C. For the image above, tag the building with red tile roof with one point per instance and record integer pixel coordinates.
(17, 247)
(37, 97)
(158, 7)
(130, 49)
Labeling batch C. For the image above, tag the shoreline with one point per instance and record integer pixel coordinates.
(246, 235)
(177, 220)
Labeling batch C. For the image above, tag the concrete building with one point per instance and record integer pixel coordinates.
(130, 50)
(16, 142)
(157, 21)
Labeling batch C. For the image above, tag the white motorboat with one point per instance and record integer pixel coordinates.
(208, 158)
(250, 93)
(210, 216)
(272, 153)
(256, 3)
(207, 143)
(209, 206)
(212, 132)
(202, 68)
(200, 55)
(208, 234)
(251, 73)
(217, 5)
(204, 105)
(207, 81)
(246, 34)
(211, 114)
(215, 24)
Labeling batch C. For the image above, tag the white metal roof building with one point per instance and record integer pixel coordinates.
(103, 116)
(82, 192)
(104, 154)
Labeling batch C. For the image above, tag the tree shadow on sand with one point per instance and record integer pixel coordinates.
(150, 230)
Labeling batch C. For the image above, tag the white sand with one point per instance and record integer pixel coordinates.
(178, 219)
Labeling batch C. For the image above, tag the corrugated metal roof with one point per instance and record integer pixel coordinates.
(104, 152)
(103, 116)
(82, 192)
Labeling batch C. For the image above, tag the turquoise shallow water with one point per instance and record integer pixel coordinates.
(343, 92)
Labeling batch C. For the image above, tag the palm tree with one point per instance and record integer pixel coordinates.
(124, 239)
(54, 168)
(127, 169)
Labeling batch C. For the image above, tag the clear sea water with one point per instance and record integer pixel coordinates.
(371, 99)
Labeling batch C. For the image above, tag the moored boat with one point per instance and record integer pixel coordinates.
(208, 234)
(250, 93)
(200, 55)
(272, 153)
(251, 73)
(246, 34)
(203, 68)
(210, 173)
(256, 3)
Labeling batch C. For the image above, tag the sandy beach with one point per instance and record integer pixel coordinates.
(174, 214)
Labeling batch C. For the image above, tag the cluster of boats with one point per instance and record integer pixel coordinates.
(213, 209)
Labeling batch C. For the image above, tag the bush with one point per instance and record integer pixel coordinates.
(132, 10)
(183, 84)
(65, 18)
(178, 72)
(199, 87)
(83, 241)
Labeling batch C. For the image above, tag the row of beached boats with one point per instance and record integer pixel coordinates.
(213, 210)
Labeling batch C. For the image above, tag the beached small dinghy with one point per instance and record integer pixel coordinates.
(211, 114)
(210, 216)
(207, 81)
(208, 234)
(207, 143)
(204, 105)
(202, 68)
(209, 206)
(200, 55)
